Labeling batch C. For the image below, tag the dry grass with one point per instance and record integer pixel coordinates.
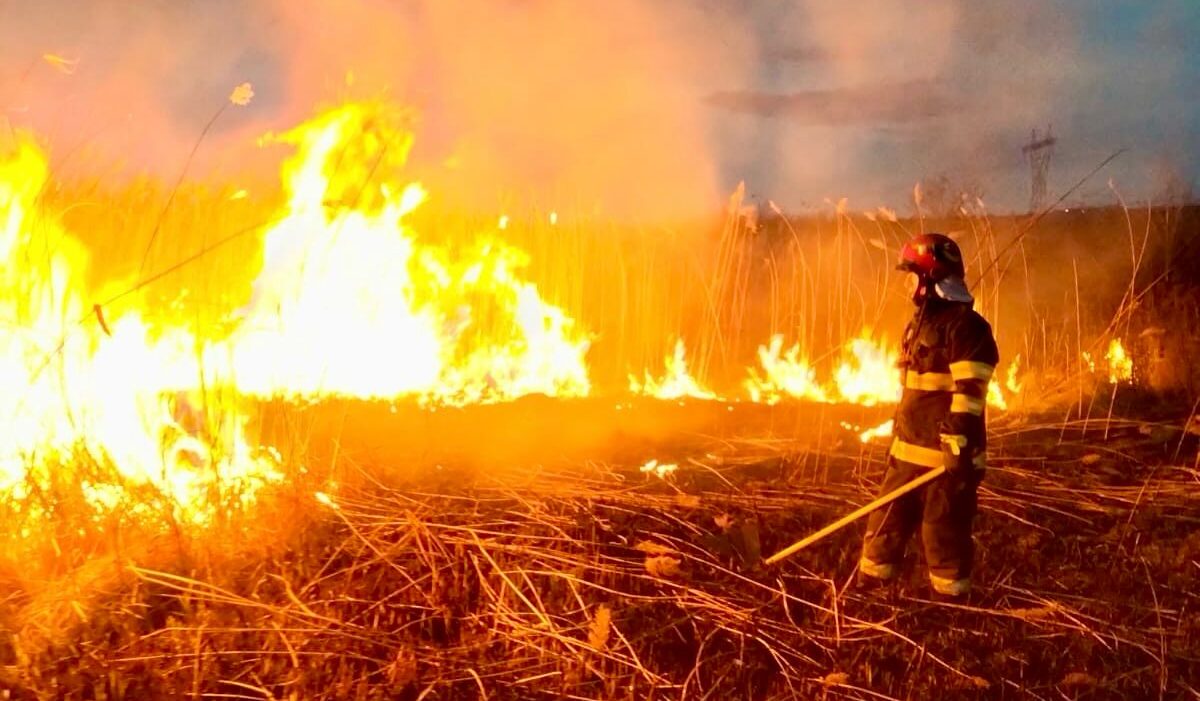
(593, 580)
(724, 284)
(589, 580)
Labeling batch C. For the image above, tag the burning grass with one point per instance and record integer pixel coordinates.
(594, 579)
(195, 499)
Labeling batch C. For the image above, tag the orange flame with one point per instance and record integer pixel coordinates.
(120, 391)
(883, 430)
(676, 381)
(1120, 365)
(351, 303)
(784, 374)
(868, 374)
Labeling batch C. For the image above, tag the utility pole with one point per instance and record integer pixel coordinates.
(1038, 152)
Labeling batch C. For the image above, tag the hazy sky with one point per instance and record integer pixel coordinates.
(652, 106)
(888, 92)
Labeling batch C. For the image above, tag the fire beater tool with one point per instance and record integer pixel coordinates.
(858, 513)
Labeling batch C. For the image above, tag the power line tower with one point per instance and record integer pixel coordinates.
(1038, 152)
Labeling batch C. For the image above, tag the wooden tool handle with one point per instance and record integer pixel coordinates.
(858, 513)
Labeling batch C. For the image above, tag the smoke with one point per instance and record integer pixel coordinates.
(597, 107)
(629, 109)
(864, 99)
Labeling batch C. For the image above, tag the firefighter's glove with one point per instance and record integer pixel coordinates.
(956, 454)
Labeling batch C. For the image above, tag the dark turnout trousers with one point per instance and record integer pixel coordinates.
(944, 509)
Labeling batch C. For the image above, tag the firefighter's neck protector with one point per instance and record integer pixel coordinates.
(950, 289)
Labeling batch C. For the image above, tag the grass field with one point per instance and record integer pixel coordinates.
(407, 548)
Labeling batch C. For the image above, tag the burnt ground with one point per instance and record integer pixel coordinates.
(453, 561)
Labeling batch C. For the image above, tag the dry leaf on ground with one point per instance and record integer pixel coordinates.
(663, 566)
(599, 629)
(652, 548)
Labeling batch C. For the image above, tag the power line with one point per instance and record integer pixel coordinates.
(1038, 152)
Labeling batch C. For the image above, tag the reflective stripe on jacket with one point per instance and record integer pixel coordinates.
(949, 361)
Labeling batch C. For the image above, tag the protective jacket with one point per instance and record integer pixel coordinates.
(949, 356)
(948, 359)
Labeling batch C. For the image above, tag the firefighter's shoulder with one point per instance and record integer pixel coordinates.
(971, 337)
(970, 322)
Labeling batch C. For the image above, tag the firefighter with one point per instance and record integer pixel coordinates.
(947, 359)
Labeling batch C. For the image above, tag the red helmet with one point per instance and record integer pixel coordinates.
(934, 257)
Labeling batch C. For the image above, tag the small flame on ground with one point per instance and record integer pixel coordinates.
(995, 396)
(783, 374)
(1120, 365)
(1011, 383)
(883, 430)
(1012, 386)
(868, 375)
(676, 381)
(660, 470)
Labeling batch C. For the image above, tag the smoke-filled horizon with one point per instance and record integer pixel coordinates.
(629, 109)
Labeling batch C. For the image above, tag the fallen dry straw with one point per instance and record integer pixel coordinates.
(598, 581)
